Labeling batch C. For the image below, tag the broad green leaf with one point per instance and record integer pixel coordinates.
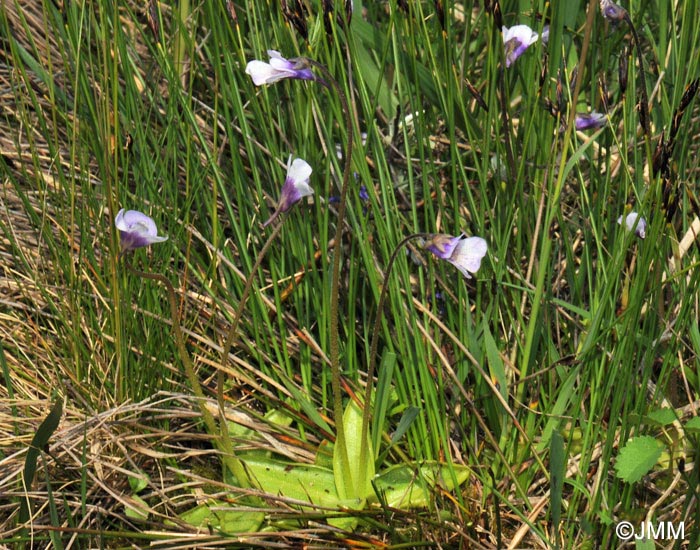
(375, 80)
(306, 405)
(39, 441)
(136, 508)
(407, 418)
(373, 40)
(404, 486)
(566, 394)
(637, 458)
(644, 544)
(496, 368)
(382, 397)
(661, 417)
(557, 470)
(305, 482)
(138, 482)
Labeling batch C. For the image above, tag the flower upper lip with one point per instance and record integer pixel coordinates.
(296, 187)
(278, 68)
(630, 222)
(465, 253)
(516, 40)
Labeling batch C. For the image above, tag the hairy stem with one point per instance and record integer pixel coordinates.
(228, 456)
(231, 339)
(335, 277)
(375, 343)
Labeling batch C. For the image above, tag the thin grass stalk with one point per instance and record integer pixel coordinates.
(551, 211)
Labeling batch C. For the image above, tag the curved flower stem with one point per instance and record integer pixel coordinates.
(231, 339)
(233, 329)
(375, 343)
(505, 123)
(644, 116)
(335, 280)
(228, 457)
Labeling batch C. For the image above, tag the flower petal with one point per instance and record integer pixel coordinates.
(299, 171)
(640, 227)
(276, 69)
(468, 254)
(296, 186)
(516, 40)
(442, 245)
(592, 120)
(264, 73)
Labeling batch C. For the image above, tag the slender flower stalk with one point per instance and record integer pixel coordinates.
(228, 456)
(335, 277)
(301, 69)
(375, 343)
(464, 253)
(138, 230)
(233, 329)
(615, 13)
(296, 186)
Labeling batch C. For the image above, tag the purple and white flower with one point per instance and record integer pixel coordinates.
(631, 222)
(516, 40)
(465, 253)
(277, 69)
(612, 12)
(136, 230)
(296, 187)
(588, 121)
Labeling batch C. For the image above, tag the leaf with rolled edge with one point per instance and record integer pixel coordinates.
(360, 483)
(218, 515)
(410, 486)
(39, 441)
